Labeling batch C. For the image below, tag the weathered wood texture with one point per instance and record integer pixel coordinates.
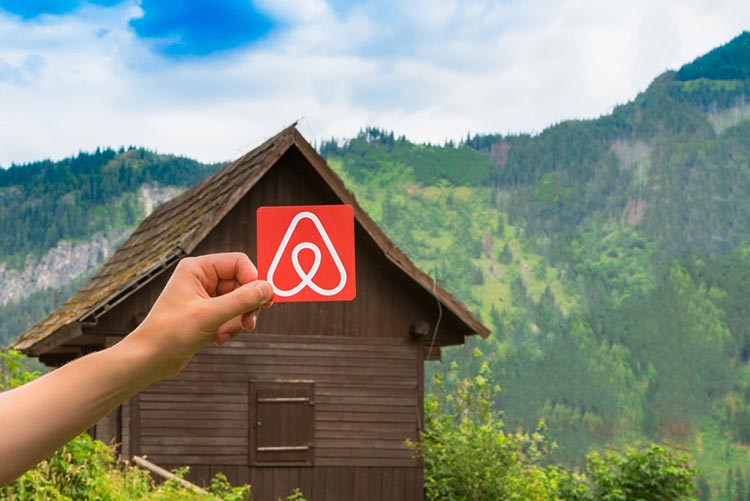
(321, 483)
(366, 399)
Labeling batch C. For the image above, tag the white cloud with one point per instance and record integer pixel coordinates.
(430, 70)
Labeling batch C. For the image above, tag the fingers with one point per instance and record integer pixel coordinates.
(246, 322)
(220, 272)
(240, 301)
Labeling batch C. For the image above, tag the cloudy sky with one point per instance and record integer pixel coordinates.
(212, 78)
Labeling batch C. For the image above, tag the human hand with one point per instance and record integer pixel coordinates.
(207, 298)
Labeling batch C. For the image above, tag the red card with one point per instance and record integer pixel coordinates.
(307, 252)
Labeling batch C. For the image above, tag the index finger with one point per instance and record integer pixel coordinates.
(233, 266)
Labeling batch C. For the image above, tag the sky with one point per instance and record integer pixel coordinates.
(211, 79)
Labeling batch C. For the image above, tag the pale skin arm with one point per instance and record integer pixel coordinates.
(208, 298)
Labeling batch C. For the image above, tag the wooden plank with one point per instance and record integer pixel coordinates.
(362, 427)
(365, 379)
(364, 399)
(243, 475)
(370, 409)
(188, 440)
(194, 450)
(333, 484)
(319, 484)
(353, 443)
(375, 483)
(193, 406)
(197, 459)
(194, 415)
(135, 425)
(281, 482)
(360, 484)
(344, 343)
(363, 392)
(200, 474)
(371, 453)
(248, 364)
(420, 484)
(388, 481)
(198, 388)
(410, 484)
(347, 483)
(399, 485)
(147, 397)
(293, 481)
(401, 436)
(237, 356)
(281, 367)
(192, 425)
(306, 481)
(189, 407)
(153, 468)
(267, 486)
(365, 462)
(366, 417)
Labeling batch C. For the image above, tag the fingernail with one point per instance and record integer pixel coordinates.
(224, 338)
(254, 319)
(265, 289)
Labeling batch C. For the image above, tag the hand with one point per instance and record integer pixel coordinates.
(208, 298)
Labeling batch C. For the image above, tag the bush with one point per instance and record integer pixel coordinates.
(468, 455)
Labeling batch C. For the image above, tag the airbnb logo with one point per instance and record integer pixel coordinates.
(307, 252)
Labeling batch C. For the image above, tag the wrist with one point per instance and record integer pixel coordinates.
(149, 364)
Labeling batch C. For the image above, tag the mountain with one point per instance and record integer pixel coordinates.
(60, 220)
(611, 257)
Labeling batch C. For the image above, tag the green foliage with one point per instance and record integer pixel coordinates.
(653, 474)
(467, 452)
(44, 202)
(374, 151)
(14, 371)
(469, 455)
(731, 61)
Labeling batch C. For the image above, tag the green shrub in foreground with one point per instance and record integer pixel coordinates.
(468, 455)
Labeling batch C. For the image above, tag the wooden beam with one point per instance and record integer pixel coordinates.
(158, 470)
(65, 334)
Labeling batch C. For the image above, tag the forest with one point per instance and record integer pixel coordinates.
(609, 257)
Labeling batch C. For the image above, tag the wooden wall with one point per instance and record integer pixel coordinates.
(367, 403)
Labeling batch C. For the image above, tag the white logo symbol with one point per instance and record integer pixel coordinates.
(306, 278)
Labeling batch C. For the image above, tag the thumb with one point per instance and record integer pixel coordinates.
(248, 297)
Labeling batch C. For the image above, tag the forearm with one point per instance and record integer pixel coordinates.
(39, 417)
(208, 298)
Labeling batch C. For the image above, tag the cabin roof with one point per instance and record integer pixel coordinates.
(174, 229)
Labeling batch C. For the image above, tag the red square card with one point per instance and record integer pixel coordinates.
(307, 252)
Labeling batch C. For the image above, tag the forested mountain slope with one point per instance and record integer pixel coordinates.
(59, 220)
(611, 257)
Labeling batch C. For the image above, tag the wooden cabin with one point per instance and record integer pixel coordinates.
(321, 397)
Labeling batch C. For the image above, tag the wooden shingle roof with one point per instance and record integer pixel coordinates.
(175, 229)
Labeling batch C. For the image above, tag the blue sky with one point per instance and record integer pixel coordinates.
(210, 79)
